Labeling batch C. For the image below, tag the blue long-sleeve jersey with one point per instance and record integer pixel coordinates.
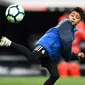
(58, 40)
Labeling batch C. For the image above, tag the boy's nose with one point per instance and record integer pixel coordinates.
(73, 18)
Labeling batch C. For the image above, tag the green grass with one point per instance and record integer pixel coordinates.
(40, 81)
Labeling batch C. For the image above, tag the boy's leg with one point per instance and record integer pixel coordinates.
(54, 75)
(38, 52)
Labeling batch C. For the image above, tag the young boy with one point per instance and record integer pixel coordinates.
(56, 42)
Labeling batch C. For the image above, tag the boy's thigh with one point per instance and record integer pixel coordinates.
(52, 66)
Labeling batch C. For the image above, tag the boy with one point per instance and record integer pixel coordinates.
(56, 42)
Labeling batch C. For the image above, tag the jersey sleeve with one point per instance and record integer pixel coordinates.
(65, 34)
(74, 56)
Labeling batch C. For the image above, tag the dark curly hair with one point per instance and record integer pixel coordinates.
(80, 11)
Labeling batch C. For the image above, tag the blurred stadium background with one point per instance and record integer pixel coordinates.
(39, 17)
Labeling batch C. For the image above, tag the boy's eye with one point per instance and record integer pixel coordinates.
(72, 15)
(77, 17)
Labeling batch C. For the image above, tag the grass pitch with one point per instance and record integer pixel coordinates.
(40, 81)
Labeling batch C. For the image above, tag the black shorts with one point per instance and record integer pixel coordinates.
(51, 65)
(44, 57)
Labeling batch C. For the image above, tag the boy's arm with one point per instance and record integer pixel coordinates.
(77, 56)
(74, 56)
(65, 34)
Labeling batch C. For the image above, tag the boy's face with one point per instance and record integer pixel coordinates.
(75, 17)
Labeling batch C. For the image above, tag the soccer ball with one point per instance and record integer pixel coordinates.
(14, 13)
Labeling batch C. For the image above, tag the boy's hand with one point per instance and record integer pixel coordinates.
(81, 55)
